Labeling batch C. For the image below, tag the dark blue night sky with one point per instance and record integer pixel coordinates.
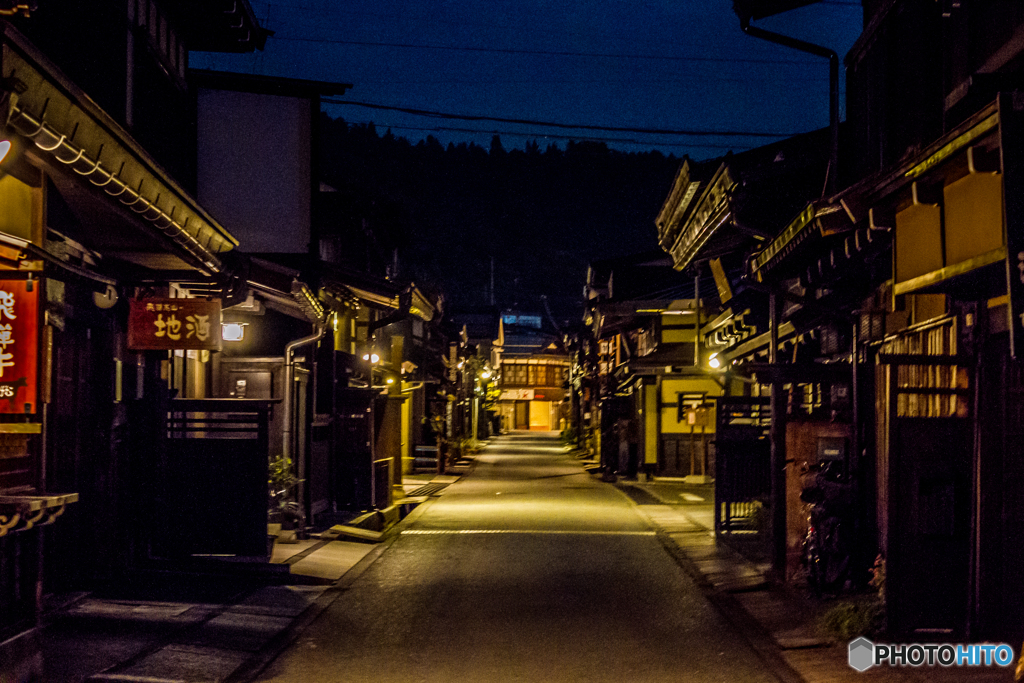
(681, 65)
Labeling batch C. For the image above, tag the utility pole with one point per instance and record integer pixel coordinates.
(778, 442)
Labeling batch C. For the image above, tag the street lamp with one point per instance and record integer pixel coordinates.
(713, 362)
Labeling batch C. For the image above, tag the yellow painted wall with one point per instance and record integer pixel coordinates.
(407, 457)
(678, 336)
(670, 390)
(918, 241)
(651, 424)
(540, 415)
(20, 210)
(974, 216)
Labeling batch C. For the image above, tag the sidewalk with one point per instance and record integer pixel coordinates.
(227, 630)
(207, 629)
(781, 622)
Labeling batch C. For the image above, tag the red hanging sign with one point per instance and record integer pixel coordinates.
(161, 324)
(19, 346)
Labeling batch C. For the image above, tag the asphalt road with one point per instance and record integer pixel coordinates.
(528, 569)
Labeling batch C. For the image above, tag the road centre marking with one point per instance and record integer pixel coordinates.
(464, 532)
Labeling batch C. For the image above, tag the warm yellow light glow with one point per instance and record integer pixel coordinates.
(5, 147)
(486, 374)
(232, 331)
(389, 380)
(713, 362)
(374, 358)
(366, 356)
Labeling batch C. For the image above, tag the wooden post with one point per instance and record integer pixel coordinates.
(778, 445)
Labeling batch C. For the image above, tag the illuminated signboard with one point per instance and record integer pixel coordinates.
(516, 395)
(19, 345)
(161, 324)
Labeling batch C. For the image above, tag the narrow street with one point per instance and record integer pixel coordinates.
(528, 569)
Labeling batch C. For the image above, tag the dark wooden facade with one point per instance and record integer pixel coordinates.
(907, 283)
(104, 164)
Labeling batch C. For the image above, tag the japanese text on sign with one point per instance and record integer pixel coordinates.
(6, 331)
(19, 345)
(174, 324)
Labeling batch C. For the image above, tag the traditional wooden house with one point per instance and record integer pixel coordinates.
(716, 216)
(908, 281)
(534, 369)
(655, 404)
(98, 212)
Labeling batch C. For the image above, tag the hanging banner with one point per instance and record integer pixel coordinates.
(164, 324)
(19, 345)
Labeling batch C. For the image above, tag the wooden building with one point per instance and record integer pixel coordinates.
(98, 210)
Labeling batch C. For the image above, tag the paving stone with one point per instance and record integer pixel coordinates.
(339, 530)
(239, 631)
(332, 560)
(284, 551)
(186, 663)
(133, 611)
(282, 601)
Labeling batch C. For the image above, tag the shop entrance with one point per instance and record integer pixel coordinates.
(540, 415)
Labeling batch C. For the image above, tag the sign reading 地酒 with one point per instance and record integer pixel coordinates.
(160, 324)
(19, 345)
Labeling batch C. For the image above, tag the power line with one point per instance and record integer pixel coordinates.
(588, 138)
(675, 80)
(462, 24)
(550, 124)
(548, 53)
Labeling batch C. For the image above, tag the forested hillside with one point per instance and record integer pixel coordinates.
(542, 214)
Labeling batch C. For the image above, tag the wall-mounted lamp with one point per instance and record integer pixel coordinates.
(5, 148)
(486, 374)
(233, 332)
(713, 362)
(372, 357)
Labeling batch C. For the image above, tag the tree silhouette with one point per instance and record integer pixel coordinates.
(542, 215)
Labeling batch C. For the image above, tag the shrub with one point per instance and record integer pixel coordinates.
(849, 620)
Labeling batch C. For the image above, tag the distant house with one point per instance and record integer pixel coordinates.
(651, 404)
(534, 372)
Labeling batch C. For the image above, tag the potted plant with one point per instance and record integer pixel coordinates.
(285, 519)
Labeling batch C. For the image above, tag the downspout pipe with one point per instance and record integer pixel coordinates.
(833, 87)
(288, 447)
